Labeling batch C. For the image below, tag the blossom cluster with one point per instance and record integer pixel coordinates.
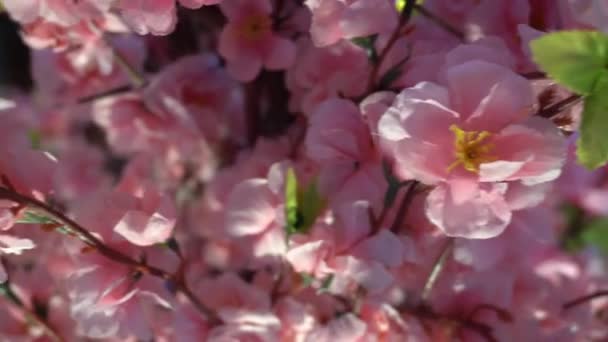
(288, 170)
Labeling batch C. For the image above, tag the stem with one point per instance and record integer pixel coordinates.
(137, 80)
(584, 299)
(405, 205)
(437, 20)
(404, 17)
(436, 271)
(115, 91)
(108, 252)
(28, 313)
(534, 75)
(560, 106)
(253, 93)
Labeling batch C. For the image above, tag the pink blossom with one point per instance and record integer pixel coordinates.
(197, 91)
(151, 222)
(333, 20)
(249, 42)
(157, 17)
(322, 73)
(469, 197)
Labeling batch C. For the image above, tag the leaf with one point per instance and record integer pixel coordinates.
(307, 279)
(30, 217)
(291, 202)
(592, 144)
(302, 206)
(35, 139)
(596, 234)
(311, 206)
(367, 43)
(326, 283)
(576, 59)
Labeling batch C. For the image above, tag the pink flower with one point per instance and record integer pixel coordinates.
(318, 74)
(333, 20)
(339, 140)
(199, 93)
(473, 139)
(248, 41)
(254, 214)
(12, 245)
(157, 17)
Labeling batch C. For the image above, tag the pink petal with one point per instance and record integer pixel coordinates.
(488, 96)
(244, 70)
(384, 247)
(538, 144)
(13, 245)
(249, 210)
(23, 11)
(141, 229)
(282, 54)
(306, 257)
(482, 217)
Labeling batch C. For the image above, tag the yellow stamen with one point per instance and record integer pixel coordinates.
(472, 149)
(255, 27)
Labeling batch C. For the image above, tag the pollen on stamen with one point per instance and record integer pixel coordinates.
(471, 149)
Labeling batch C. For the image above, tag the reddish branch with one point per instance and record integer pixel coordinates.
(404, 18)
(28, 313)
(560, 106)
(114, 255)
(584, 299)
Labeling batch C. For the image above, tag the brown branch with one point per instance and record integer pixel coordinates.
(110, 253)
(438, 266)
(406, 202)
(7, 292)
(584, 299)
(404, 18)
(440, 22)
(560, 106)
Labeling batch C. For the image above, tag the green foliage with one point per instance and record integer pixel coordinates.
(35, 139)
(592, 145)
(579, 61)
(576, 59)
(596, 234)
(302, 204)
(30, 217)
(291, 202)
(367, 43)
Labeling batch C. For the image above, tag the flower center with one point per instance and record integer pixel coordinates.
(472, 149)
(255, 26)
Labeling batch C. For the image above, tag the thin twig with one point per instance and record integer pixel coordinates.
(437, 20)
(584, 299)
(135, 77)
(7, 292)
(406, 202)
(404, 18)
(560, 106)
(114, 91)
(436, 270)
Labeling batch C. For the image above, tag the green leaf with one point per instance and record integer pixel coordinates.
(576, 59)
(592, 144)
(326, 283)
(30, 217)
(311, 206)
(367, 43)
(291, 202)
(302, 206)
(307, 279)
(596, 234)
(35, 139)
